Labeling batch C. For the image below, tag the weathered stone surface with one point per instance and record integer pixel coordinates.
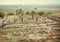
(32, 31)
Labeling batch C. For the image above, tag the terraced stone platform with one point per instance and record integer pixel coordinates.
(42, 31)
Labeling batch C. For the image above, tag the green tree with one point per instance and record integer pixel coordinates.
(2, 14)
(27, 13)
(32, 13)
(41, 13)
(36, 17)
(35, 8)
(17, 12)
(22, 14)
(36, 13)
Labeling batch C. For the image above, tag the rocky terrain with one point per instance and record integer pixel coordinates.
(56, 27)
(29, 30)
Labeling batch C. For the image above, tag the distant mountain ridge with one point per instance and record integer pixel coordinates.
(34, 5)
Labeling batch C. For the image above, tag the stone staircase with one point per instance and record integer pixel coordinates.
(56, 26)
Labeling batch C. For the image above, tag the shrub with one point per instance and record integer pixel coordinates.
(49, 13)
(1, 14)
(27, 12)
(41, 13)
(10, 13)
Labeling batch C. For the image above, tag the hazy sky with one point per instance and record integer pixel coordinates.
(44, 2)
